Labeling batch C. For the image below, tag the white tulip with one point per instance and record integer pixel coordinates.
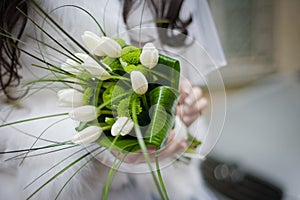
(73, 63)
(84, 113)
(92, 41)
(149, 56)
(110, 47)
(71, 69)
(95, 69)
(69, 98)
(139, 82)
(72, 66)
(82, 56)
(122, 126)
(87, 135)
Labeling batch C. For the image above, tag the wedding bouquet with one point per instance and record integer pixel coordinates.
(122, 97)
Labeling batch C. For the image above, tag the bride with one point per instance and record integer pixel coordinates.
(184, 28)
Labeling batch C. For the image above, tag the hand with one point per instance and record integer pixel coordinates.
(191, 102)
(174, 145)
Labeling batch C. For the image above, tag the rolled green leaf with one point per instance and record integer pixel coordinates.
(173, 72)
(163, 101)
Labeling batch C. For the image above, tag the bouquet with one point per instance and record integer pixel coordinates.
(122, 97)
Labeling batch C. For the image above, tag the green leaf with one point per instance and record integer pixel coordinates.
(108, 94)
(163, 101)
(170, 67)
(125, 143)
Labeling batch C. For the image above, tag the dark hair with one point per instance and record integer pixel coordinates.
(169, 11)
(11, 22)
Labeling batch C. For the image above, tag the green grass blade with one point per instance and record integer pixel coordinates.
(144, 150)
(58, 163)
(88, 13)
(35, 149)
(61, 172)
(161, 181)
(67, 34)
(33, 119)
(76, 172)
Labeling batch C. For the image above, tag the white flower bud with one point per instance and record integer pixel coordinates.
(110, 47)
(95, 69)
(122, 126)
(149, 56)
(87, 135)
(71, 69)
(72, 62)
(72, 66)
(139, 82)
(84, 113)
(92, 41)
(69, 98)
(82, 56)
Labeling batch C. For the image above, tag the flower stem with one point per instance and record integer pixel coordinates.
(106, 112)
(160, 176)
(145, 153)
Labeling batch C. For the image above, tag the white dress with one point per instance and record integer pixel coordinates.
(182, 181)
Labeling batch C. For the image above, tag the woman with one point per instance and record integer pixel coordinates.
(89, 182)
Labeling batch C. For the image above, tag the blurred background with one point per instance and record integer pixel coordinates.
(261, 135)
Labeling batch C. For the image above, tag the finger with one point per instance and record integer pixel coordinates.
(196, 107)
(171, 137)
(177, 145)
(188, 120)
(185, 88)
(190, 113)
(196, 94)
(138, 157)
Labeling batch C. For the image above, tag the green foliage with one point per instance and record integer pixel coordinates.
(109, 92)
(109, 120)
(113, 63)
(131, 55)
(121, 42)
(130, 68)
(163, 101)
(87, 95)
(125, 107)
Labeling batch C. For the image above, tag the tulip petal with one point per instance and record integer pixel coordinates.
(87, 135)
(149, 56)
(122, 126)
(84, 113)
(110, 47)
(95, 69)
(82, 56)
(139, 82)
(71, 69)
(91, 40)
(69, 98)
